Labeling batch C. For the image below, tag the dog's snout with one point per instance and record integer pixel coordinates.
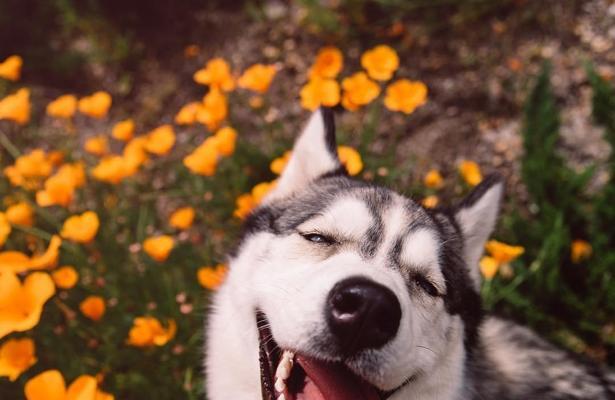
(362, 314)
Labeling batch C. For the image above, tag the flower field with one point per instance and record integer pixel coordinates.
(114, 229)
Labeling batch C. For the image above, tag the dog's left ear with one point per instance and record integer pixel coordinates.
(476, 216)
(314, 154)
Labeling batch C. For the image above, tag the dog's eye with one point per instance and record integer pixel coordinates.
(318, 238)
(427, 286)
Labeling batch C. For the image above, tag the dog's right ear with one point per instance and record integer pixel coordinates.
(314, 155)
(476, 217)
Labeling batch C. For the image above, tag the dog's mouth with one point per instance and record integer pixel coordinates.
(286, 375)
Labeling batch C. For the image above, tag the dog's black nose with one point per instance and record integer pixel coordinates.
(362, 314)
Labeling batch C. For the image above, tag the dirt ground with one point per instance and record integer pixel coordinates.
(478, 74)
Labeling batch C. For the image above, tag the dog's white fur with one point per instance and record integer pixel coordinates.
(289, 278)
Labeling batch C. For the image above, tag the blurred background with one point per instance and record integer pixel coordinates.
(521, 87)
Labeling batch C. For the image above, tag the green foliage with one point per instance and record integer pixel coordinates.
(574, 302)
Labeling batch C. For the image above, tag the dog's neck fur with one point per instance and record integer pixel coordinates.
(445, 382)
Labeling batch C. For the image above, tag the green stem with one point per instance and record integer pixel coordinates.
(9, 146)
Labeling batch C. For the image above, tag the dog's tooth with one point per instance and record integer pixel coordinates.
(283, 371)
(280, 385)
(281, 397)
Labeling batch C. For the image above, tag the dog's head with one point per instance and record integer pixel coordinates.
(362, 288)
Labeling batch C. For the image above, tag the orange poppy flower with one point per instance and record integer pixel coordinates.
(211, 278)
(160, 141)
(319, 91)
(16, 107)
(182, 218)
(159, 247)
(329, 63)
(258, 77)
(11, 68)
(213, 110)
(18, 262)
(216, 74)
(148, 332)
(96, 105)
(123, 130)
(93, 307)
(65, 277)
(16, 356)
(81, 228)
(21, 304)
(470, 172)
(359, 90)
(405, 96)
(380, 62)
(433, 179)
(64, 106)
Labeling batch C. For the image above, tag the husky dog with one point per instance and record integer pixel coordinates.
(343, 290)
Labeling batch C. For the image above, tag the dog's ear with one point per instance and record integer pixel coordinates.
(314, 154)
(476, 216)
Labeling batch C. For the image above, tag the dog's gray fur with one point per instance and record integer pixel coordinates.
(445, 348)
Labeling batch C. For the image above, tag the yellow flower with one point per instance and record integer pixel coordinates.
(470, 172)
(21, 304)
(320, 91)
(433, 179)
(213, 110)
(405, 96)
(187, 114)
(380, 62)
(225, 141)
(580, 250)
(29, 169)
(160, 141)
(204, 159)
(11, 68)
(112, 169)
(502, 252)
(489, 266)
(60, 188)
(50, 385)
(351, 159)
(257, 77)
(97, 145)
(16, 356)
(182, 218)
(93, 307)
(96, 105)
(245, 203)
(5, 228)
(64, 106)
(216, 74)
(148, 331)
(16, 107)
(18, 262)
(123, 130)
(19, 214)
(159, 247)
(277, 165)
(329, 63)
(65, 277)
(81, 228)
(430, 201)
(134, 153)
(211, 278)
(359, 90)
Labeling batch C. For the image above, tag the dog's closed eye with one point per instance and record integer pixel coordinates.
(318, 238)
(426, 285)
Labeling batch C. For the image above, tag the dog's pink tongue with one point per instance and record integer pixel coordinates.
(329, 381)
